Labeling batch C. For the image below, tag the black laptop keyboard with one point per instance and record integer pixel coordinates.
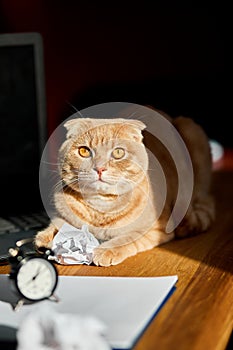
(14, 228)
(34, 221)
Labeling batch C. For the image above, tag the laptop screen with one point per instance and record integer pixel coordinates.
(22, 121)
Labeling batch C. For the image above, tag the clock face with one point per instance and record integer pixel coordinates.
(36, 278)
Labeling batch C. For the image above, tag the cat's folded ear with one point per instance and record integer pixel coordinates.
(76, 126)
(137, 127)
(137, 123)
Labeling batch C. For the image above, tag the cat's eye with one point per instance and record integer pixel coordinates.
(84, 151)
(118, 153)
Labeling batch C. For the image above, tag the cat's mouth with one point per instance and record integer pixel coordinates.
(105, 181)
(97, 181)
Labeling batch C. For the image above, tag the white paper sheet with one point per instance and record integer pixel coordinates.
(125, 305)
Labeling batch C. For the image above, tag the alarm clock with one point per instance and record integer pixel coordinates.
(34, 277)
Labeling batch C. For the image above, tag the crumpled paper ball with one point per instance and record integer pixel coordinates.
(74, 246)
(47, 329)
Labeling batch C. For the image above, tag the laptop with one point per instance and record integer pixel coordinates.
(23, 131)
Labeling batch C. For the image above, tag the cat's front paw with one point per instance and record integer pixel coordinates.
(107, 256)
(45, 238)
(42, 241)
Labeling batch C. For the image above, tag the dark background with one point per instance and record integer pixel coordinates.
(170, 55)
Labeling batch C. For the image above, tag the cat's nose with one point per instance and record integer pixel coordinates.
(99, 170)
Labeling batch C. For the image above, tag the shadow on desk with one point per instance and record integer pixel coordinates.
(214, 247)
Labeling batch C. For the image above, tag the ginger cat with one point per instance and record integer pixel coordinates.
(107, 185)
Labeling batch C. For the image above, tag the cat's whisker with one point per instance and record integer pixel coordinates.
(53, 171)
(53, 176)
(71, 182)
(133, 182)
(76, 109)
(153, 169)
(50, 163)
(131, 115)
(86, 178)
(140, 117)
(83, 189)
(60, 185)
(113, 177)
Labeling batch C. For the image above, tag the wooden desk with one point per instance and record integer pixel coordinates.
(199, 314)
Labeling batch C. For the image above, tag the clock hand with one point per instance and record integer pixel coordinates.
(28, 282)
(37, 273)
(34, 277)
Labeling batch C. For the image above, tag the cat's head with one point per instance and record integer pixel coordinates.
(103, 156)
